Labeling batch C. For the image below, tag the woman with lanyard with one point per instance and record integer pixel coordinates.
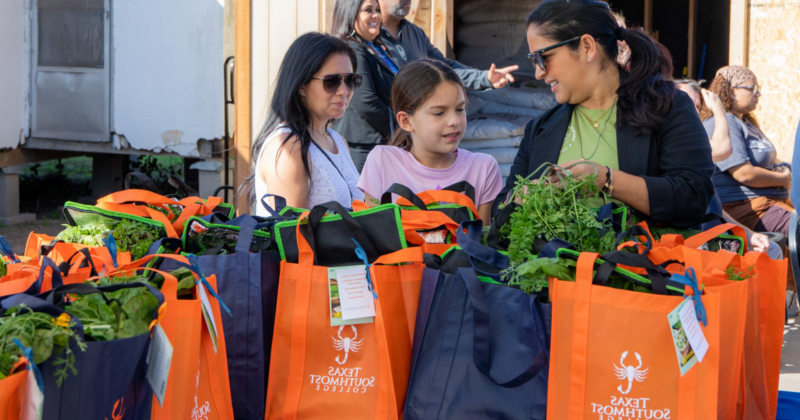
(368, 120)
(296, 155)
(643, 135)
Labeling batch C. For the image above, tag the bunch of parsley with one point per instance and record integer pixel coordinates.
(549, 210)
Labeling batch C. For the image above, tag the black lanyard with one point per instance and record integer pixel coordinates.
(335, 167)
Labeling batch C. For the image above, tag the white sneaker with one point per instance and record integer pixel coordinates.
(792, 307)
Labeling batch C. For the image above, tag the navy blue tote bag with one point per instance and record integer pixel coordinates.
(480, 347)
(110, 381)
(248, 285)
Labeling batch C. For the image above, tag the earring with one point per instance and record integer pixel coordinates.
(588, 60)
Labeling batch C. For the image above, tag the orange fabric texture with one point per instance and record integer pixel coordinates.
(128, 201)
(353, 371)
(612, 354)
(12, 389)
(198, 384)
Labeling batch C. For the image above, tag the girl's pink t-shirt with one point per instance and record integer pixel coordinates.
(387, 165)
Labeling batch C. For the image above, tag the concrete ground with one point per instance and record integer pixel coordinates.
(790, 358)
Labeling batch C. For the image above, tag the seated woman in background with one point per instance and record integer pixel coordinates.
(641, 133)
(296, 155)
(720, 138)
(752, 185)
(368, 120)
(430, 101)
(720, 150)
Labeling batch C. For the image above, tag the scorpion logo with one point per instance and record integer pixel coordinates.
(115, 414)
(347, 344)
(629, 372)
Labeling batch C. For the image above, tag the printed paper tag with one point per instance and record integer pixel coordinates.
(33, 399)
(159, 360)
(351, 301)
(208, 314)
(693, 331)
(687, 337)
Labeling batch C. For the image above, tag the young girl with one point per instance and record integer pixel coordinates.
(430, 101)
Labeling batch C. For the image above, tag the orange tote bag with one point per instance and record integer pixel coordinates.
(198, 384)
(612, 354)
(320, 371)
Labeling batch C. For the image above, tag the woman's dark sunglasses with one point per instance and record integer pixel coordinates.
(332, 82)
(536, 56)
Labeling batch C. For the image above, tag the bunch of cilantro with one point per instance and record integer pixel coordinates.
(549, 210)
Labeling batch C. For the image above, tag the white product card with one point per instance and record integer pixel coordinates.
(356, 299)
(693, 331)
(208, 314)
(159, 361)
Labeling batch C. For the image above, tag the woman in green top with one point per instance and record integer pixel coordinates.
(642, 134)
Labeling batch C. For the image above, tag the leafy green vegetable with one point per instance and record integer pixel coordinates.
(90, 234)
(736, 274)
(3, 269)
(130, 235)
(549, 211)
(115, 315)
(46, 335)
(135, 237)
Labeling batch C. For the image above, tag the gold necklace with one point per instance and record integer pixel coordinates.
(597, 145)
(596, 123)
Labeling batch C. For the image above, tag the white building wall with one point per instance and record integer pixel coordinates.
(12, 70)
(167, 76)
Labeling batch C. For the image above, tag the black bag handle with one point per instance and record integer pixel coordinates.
(183, 188)
(37, 304)
(280, 204)
(147, 182)
(464, 187)
(45, 249)
(654, 272)
(55, 277)
(500, 219)
(87, 262)
(315, 218)
(404, 192)
(481, 332)
(246, 231)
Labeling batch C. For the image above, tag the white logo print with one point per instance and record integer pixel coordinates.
(347, 344)
(629, 372)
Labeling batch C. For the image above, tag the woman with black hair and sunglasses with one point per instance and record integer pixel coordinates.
(643, 135)
(369, 120)
(296, 155)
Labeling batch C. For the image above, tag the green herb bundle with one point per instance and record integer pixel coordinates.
(46, 335)
(3, 269)
(130, 235)
(549, 210)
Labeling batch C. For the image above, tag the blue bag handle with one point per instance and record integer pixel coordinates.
(5, 249)
(481, 352)
(87, 261)
(280, 204)
(470, 242)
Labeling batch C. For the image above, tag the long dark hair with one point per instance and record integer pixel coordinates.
(302, 61)
(345, 13)
(413, 85)
(647, 93)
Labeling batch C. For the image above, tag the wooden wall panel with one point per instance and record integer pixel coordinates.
(774, 42)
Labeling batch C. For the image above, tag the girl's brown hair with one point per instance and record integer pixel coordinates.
(415, 84)
(724, 90)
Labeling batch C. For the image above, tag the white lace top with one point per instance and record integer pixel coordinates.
(325, 183)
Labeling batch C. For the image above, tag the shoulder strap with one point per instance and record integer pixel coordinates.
(324, 153)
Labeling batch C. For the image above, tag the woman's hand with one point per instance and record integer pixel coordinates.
(713, 102)
(760, 242)
(587, 168)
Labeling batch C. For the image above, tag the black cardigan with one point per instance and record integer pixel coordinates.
(675, 161)
(367, 118)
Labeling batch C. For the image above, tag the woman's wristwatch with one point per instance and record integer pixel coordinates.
(608, 187)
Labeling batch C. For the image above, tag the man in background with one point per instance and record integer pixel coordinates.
(408, 42)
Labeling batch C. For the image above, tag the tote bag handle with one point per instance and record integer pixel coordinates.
(481, 352)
